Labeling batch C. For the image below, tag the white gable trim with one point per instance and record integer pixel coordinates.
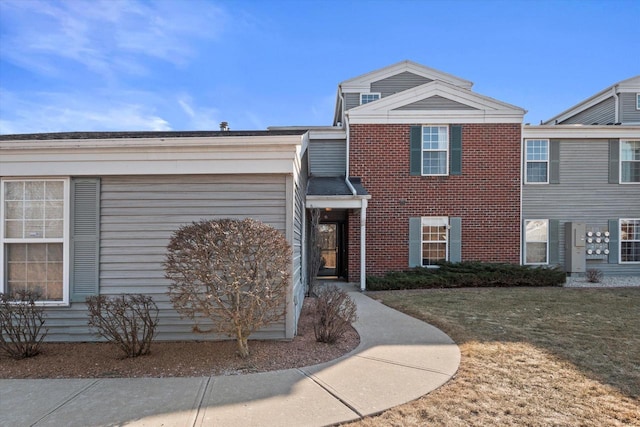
(363, 83)
(486, 109)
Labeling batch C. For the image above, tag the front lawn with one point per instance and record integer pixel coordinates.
(530, 356)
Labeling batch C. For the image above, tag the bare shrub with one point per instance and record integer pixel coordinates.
(315, 253)
(21, 323)
(594, 275)
(129, 321)
(334, 312)
(235, 273)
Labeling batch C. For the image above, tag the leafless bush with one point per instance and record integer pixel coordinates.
(594, 275)
(334, 312)
(235, 273)
(21, 322)
(315, 252)
(129, 321)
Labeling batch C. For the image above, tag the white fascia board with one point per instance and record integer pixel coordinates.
(580, 131)
(437, 117)
(335, 202)
(363, 82)
(435, 88)
(157, 156)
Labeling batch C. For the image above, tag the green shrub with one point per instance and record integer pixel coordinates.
(468, 275)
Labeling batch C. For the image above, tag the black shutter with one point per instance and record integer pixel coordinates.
(416, 150)
(85, 238)
(455, 150)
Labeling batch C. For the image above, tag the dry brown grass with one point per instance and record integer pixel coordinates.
(533, 356)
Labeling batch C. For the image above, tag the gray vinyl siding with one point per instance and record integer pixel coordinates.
(436, 103)
(327, 157)
(138, 215)
(601, 113)
(584, 194)
(628, 111)
(398, 83)
(351, 100)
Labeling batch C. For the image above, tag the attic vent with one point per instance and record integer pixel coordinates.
(224, 126)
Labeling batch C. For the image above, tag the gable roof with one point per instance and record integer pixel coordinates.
(450, 104)
(363, 82)
(629, 85)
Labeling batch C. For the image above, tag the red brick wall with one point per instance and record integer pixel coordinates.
(486, 196)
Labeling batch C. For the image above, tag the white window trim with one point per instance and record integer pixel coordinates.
(524, 260)
(620, 241)
(66, 254)
(526, 162)
(620, 163)
(637, 101)
(369, 93)
(422, 150)
(444, 219)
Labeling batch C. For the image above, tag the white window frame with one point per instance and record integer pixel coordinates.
(423, 150)
(65, 240)
(622, 141)
(527, 161)
(546, 242)
(637, 101)
(620, 241)
(445, 222)
(369, 94)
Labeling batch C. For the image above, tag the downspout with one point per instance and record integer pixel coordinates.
(363, 201)
(616, 108)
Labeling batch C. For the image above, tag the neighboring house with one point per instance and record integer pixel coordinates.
(416, 169)
(89, 213)
(581, 192)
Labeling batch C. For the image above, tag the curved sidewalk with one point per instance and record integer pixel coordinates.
(398, 360)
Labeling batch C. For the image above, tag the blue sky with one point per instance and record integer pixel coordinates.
(80, 65)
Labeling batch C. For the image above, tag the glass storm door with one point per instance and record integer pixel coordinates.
(328, 249)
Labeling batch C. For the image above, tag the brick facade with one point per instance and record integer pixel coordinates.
(486, 196)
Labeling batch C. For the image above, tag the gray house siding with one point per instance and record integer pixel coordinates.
(628, 111)
(351, 100)
(138, 215)
(601, 113)
(436, 103)
(584, 194)
(398, 83)
(327, 157)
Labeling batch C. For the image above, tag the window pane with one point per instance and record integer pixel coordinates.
(34, 190)
(536, 172)
(54, 190)
(14, 229)
(432, 253)
(536, 253)
(630, 171)
(13, 190)
(537, 150)
(434, 163)
(37, 267)
(434, 137)
(630, 150)
(536, 231)
(630, 252)
(13, 210)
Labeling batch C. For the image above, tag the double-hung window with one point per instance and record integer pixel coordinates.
(630, 240)
(365, 98)
(34, 238)
(536, 245)
(537, 161)
(435, 150)
(629, 161)
(434, 240)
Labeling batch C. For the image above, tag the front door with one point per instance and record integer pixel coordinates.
(328, 249)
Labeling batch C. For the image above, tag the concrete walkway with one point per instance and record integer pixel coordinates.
(398, 360)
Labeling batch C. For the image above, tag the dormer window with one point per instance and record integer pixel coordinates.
(365, 98)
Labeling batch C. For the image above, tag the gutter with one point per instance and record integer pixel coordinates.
(616, 117)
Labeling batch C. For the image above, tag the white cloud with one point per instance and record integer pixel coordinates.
(106, 37)
(199, 118)
(58, 112)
